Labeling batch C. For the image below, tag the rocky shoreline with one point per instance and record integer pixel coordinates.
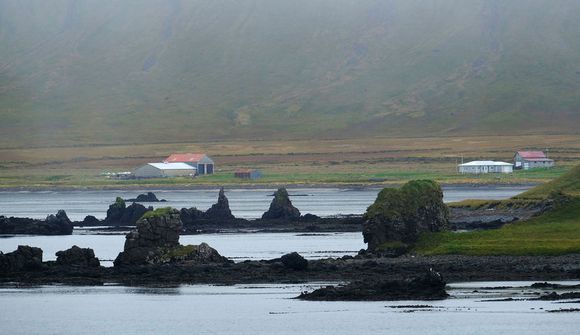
(346, 269)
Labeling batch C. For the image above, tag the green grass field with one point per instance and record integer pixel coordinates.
(553, 233)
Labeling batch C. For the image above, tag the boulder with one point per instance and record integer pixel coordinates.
(398, 216)
(281, 208)
(221, 210)
(90, 220)
(75, 256)
(24, 258)
(147, 197)
(294, 261)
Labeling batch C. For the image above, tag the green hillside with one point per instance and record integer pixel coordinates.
(554, 232)
(94, 71)
(569, 184)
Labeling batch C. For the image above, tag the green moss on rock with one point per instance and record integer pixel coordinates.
(402, 214)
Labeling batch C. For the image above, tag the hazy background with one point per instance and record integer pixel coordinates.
(128, 71)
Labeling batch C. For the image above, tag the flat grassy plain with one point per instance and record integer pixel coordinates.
(367, 161)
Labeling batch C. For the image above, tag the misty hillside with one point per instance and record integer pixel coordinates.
(104, 71)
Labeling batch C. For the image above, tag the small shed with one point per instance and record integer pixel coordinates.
(161, 170)
(531, 160)
(248, 174)
(478, 167)
(200, 161)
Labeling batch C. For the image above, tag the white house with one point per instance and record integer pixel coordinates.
(477, 167)
(160, 170)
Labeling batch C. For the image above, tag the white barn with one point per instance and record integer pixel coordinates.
(160, 170)
(477, 167)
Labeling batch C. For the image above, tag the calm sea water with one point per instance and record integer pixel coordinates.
(244, 203)
(238, 247)
(270, 309)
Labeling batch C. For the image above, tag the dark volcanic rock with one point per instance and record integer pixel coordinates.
(428, 287)
(191, 215)
(75, 256)
(400, 215)
(25, 258)
(58, 224)
(119, 214)
(90, 220)
(221, 210)
(281, 208)
(294, 261)
(156, 241)
(147, 197)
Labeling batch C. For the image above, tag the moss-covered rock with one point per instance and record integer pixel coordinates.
(402, 214)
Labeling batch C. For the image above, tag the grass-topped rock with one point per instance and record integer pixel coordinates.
(399, 215)
(156, 241)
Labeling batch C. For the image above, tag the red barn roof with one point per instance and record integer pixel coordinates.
(184, 158)
(532, 154)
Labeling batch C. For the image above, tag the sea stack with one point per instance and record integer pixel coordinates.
(281, 208)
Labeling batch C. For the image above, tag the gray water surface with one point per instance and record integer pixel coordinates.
(238, 247)
(244, 203)
(269, 309)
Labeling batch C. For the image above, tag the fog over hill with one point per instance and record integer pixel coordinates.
(105, 71)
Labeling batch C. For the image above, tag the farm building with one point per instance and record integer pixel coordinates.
(477, 167)
(248, 174)
(201, 162)
(532, 159)
(160, 170)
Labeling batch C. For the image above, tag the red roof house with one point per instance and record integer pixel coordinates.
(532, 159)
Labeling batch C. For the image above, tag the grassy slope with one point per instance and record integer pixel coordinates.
(569, 183)
(555, 232)
(167, 71)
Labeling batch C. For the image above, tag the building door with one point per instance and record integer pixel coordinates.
(200, 168)
(209, 168)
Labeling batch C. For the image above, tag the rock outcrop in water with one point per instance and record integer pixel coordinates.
(24, 258)
(398, 216)
(427, 287)
(156, 241)
(79, 257)
(281, 208)
(147, 197)
(119, 214)
(220, 211)
(58, 224)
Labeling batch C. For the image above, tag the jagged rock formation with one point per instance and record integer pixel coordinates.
(75, 256)
(24, 258)
(156, 241)
(281, 208)
(119, 214)
(398, 216)
(58, 224)
(427, 287)
(147, 197)
(221, 209)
